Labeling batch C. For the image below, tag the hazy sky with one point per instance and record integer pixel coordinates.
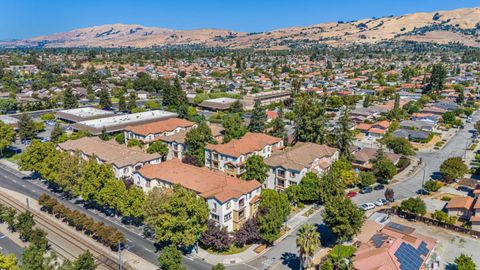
(29, 18)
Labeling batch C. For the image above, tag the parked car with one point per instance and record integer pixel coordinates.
(26, 142)
(423, 191)
(379, 187)
(50, 123)
(366, 190)
(351, 194)
(367, 206)
(380, 202)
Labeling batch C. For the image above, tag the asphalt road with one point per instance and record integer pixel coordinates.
(7, 246)
(136, 243)
(455, 147)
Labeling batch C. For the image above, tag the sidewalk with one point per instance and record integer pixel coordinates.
(243, 257)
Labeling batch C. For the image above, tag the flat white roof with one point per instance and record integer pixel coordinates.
(8, 119)
(87, 112)
(222, 100)
(127, 119)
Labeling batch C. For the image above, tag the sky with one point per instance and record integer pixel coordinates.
(30, 18)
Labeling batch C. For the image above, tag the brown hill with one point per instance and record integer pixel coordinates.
(461, 25)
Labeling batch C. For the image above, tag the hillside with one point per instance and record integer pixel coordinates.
(461, 25)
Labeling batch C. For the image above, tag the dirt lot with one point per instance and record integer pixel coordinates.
(449, 244)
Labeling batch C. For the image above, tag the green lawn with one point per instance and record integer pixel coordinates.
(232, 250)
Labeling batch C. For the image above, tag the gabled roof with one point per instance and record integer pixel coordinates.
(300, 156)
(460, 202)
(161, 126)
(247, 144)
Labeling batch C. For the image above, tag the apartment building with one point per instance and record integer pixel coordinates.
(231, 201)
(231, 157)
(265, 98)
(151, 132)
(289, 166)
(124, 160)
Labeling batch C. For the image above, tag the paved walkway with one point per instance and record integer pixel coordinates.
(249, 254)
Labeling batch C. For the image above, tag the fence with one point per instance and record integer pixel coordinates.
(430, 221)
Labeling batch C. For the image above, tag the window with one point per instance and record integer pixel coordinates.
(215, 217)
(214, 207)
(227, 217)
(293, 174)
(229, 204)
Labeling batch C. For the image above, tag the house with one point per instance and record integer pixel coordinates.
(395, 247)
(217, 104)
(460, 206)
(151, 132)
(376, 130)
(426, 117)
(230, 157)
(231, 201)
(124, 160)
(475, 218)
(416, 125)
(412, 135)
(363, 158)
(289, 166)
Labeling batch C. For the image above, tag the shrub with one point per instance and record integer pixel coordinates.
(249, 233)
(446, 198)
(432, 185)
(215, 237)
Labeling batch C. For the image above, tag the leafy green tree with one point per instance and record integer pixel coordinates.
(120, 138)
(309, 119)
(432, 185)
(343, 217)
(383, 168)
(68, 175)
(133, 203)
(158, 147)
(366, 101)
(34, 257)
(133, 143)
(343, 134)
(69, 100)
(407, 73)
(26, 127)
(309, 187)
(132, 101)
(112, 193)
(259, 118)
(255, 169)
(367, 179)
(465, 262)
(8, 262)
(453, 168)
(84, 262)
(278, 126)
(179, 218)
(437, 79)
(273, 210)
(399, 146)
(56, 133)
(330, 186)
(414, 205)
(8, 105)
(234, 128)
(104, 136)
(334, 102)
(7, 136)
(170, 259)
(94, 179)
(308, 241)
(24, 224)
(236, 107)
(122, 103)
(105, 101)
(196, 139)
(449, 118)
(42, 158)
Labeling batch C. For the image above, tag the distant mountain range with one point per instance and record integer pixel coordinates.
(460, 25)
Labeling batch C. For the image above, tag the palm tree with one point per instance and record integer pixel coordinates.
(308, 241)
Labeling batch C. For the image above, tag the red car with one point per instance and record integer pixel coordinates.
(351, 194)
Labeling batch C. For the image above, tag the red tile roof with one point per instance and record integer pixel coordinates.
(247, 144)
(160, 126)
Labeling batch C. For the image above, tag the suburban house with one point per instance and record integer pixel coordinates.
(363, 158)
(460, 207)
(231, 201)
(151, 132)
(475, 218)
(288, 167)
(376, 130)
(231, 157)
(412, 135)
(124, 160)
(395, 247)
(417, 125)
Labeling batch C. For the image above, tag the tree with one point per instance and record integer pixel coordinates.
(196, 139)
(134, 143)
(344, 218)
(8, 262)
(234, 128)
(437, 79)
(34, 257)
(56, 133)
(120, 138)
(105, 101)
(84, 262)
(259, 118)
(383, 168)
(400, 146)
(236, 107)
(414, 205)
(465, 262)
(170, 259)
(215, 237)
(366, 179)
(247, 234)
(330, 186)
(158, 147)
(273, 211)
(389, 195)
(449, 118)
(8, 105)
(132, 101)
(104, 135)
(180, 217)
(309, 119)
(366, 101)
(308, 187)
(255, 169)
(122, 104)
(68, 175)
(215, 267)
(278, 126)
(7, 136)
(69, 100)
(26, 127)
(453, 168)
(24, 225)
(432, 185)
(308, 241)
(94, 179)
(343, 134)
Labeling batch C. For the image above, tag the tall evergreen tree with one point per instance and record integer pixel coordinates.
(343, 134)
(69, 100)
(105, 101)
(259, 118)
(234, 128)
(437, 79)
(366, 101)
(196, 139)
(26, 127)
(122, 104)
(132, 101)
(278, 127)
(56, 133)
(309, 119)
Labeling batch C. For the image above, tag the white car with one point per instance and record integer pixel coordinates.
(367, 206)
(379, 202)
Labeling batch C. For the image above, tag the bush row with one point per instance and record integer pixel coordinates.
(23, 223)
(107, 235)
